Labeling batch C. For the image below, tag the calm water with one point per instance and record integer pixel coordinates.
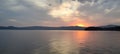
(59, 42)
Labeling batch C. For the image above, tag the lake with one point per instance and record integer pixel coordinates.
(59, 42)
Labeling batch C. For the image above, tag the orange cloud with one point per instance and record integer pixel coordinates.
(79, 21)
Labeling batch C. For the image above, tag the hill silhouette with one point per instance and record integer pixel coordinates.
(105, 28)
(93, 28)
(41, 28)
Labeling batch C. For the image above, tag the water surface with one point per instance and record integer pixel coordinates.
(59, 42)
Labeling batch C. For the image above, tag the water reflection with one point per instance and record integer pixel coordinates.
(83, 42)
(81, 36)
(63, 45)
(68, 43)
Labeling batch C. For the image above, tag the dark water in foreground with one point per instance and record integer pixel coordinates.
(59, 42)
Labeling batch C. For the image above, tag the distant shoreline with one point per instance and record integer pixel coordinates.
(100, 28)
(59, 29)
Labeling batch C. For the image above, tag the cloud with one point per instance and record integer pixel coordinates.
(37, 3)
(65, 11)
(83, 1)
(110, 9)
(12, 20)
(30, 12)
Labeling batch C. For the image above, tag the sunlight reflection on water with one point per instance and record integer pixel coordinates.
(59, 42)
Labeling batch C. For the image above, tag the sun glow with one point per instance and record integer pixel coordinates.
(81, 25)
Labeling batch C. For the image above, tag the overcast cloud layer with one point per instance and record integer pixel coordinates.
(59, 12)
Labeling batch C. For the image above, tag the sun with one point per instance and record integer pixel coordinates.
(81, 25)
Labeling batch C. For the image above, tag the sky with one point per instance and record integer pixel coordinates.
(59, 12)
